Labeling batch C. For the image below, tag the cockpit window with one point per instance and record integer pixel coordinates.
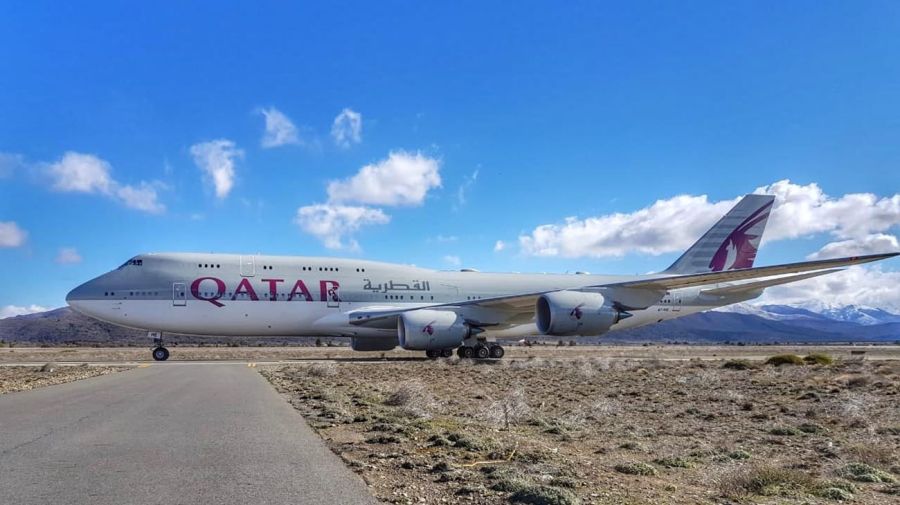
(133, 261)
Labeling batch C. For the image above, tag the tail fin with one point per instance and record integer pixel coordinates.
(730, 244)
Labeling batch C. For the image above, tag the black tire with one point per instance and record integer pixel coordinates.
(466, 352)
(446, 353)
(160, 354)
(482, 352)
(432, 353)
(497, 351)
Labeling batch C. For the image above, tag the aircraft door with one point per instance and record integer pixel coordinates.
(179, 294)
(333, 297)
(248, 266)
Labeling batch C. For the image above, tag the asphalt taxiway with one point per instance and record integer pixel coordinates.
(166, 433)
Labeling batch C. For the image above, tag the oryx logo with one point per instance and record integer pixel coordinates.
(739, 248)
(429, 329)
(576, 313)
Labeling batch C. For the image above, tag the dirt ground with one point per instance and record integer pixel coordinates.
(602, 429)
(23, 378)
(197, 353)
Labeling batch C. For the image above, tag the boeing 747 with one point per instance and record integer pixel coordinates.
(381, 306)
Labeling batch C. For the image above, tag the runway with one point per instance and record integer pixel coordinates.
(168, 434)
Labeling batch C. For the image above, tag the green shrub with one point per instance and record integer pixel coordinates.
(785, 431)
(739, 454)
(544, 495)
(811, 428)
(766, 480)
(785, 359)
(510, 484)
(737, 364)
(818, 358)
(674, 462)
(836, 493)
(635, 469)
(862, 472)
(565, 482)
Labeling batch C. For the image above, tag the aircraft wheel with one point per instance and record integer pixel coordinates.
(160, 354)
(446, 353)
(482, 352)
(466, 352)
(432, 353)
(497, 351)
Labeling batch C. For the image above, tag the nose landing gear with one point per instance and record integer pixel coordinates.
(160, 353)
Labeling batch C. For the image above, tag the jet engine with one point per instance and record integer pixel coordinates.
(566, 313)
(373, 343)
(431, 329)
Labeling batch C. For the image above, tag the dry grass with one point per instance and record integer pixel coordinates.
(608, 430)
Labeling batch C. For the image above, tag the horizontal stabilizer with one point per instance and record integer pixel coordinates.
(753, 286)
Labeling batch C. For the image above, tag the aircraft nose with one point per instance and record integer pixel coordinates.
(78, 294)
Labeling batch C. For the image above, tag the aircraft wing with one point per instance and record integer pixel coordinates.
(648, 289)
(745, 287)
(684, 281)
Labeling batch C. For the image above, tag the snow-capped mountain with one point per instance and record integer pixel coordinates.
(866, 316)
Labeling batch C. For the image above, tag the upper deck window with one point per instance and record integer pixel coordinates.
(132, 261)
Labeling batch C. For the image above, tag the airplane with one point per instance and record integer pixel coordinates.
(381, 305)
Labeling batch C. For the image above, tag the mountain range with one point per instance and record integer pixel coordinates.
(738, 323)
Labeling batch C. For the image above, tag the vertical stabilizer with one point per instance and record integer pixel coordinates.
(733, 241)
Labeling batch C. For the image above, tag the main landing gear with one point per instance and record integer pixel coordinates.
(439, 353)
(160, 353)
(480, 350)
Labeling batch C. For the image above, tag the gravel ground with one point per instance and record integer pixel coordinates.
(604, 430)
(247, 353)
(23, 378)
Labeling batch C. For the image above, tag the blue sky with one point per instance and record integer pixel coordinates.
(526, 115)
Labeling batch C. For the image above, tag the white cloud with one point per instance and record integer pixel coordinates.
(805, 210)
(15, 310)
(674, 224)
(347, 128)
(68, 256)
(452, 260)
(11, 235)
(143, 197)
(9, 163)
(870, 244)
(499, 246)
(443, 239)
(280, 130)
(666, 226)
(468, 182)
(86, 173)
(401, 179)
(217, 159)
(334, 223)
(856, 285)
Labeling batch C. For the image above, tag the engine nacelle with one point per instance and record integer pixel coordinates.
(431, 329)
(373, 343)
(566, 313)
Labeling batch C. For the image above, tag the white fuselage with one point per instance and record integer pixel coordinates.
(222, 294)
